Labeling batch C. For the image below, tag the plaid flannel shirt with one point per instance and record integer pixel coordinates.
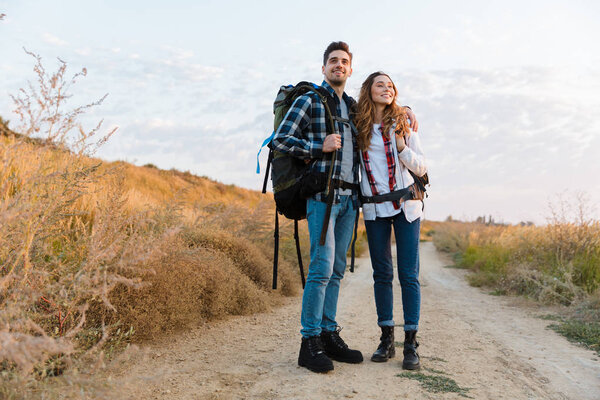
(303, 130)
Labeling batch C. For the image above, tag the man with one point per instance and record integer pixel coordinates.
(303, 134)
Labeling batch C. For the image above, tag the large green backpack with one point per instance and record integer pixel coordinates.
(293, 180)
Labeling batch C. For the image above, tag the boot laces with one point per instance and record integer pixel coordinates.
(384, 342)
(337, 339)
(411, 348)
(382, 345)
(315, 346)
(386, 335)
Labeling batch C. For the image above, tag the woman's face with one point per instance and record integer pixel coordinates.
(382, 90)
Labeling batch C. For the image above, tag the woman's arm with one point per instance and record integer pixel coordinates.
(412, 155)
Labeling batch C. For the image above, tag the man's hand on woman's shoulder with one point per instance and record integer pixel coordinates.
(412, 119)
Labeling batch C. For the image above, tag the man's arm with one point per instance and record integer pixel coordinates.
(292, 135)
(412, 119)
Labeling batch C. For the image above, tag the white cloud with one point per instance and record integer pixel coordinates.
(53, 40)
(84, 51)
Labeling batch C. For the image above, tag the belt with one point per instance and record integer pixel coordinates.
(338, 183)
(398, 195)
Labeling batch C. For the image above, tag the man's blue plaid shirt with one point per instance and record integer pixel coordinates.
(303, 130)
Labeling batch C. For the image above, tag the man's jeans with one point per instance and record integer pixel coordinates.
(407, 248)
(327, 264)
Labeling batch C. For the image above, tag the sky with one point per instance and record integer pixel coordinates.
(507, 93)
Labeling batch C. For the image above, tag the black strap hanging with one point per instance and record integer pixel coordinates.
(269, 161)
(276, 251)
(330, 191)
(327, 216)
(297, 238)
(354, 240)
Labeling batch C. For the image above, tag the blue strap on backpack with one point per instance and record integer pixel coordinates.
(265, 142)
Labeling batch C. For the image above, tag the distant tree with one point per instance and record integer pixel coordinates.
(526, 223)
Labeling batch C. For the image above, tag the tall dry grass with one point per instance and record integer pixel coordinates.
(555, 263)
(95, 255)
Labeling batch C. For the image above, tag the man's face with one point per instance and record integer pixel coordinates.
(338, 68)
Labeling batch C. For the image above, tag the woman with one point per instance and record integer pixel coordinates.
(389, 153)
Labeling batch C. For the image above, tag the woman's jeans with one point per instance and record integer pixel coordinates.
(407, 248)
(327, 264)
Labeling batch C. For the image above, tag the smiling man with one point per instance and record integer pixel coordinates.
(303, 134)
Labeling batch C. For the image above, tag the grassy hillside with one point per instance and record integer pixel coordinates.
(94, 255)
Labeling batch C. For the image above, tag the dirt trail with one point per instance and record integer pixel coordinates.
(483, 342)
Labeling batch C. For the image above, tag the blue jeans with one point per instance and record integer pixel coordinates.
(407, 248)
(327, 264)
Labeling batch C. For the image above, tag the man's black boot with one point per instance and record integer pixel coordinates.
(386, 349)
(411, 357)
(312, 355)
(337, 349)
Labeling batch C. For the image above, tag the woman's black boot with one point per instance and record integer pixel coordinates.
(386, 349)
(411, 357)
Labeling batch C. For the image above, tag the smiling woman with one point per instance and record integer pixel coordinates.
(390, 159)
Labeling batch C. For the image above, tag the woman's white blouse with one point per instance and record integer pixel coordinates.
(410, 158)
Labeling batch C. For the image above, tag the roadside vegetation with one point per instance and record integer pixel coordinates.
(95, 256)
(555, 264)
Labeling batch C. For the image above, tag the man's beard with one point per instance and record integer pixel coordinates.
(335, 81)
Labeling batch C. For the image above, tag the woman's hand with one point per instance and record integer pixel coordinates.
(400, 143)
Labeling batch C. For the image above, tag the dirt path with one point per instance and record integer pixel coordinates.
(482, 342)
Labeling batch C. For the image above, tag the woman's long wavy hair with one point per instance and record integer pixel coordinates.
(365, 114)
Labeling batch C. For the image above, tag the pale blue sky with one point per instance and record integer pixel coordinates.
(506, 92)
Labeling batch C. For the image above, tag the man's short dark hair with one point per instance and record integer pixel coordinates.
(333, 46)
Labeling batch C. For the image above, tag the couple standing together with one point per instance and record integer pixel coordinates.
(380, 144)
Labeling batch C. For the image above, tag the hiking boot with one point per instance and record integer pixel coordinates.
(386, 349)
(312, 355)
(337, 349)
(411, 357)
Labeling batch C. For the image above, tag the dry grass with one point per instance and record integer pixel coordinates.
(186, 286)
(555, 263)
(96, 255)
(428, 230)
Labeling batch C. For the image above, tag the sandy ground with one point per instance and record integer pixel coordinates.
(496, 349)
